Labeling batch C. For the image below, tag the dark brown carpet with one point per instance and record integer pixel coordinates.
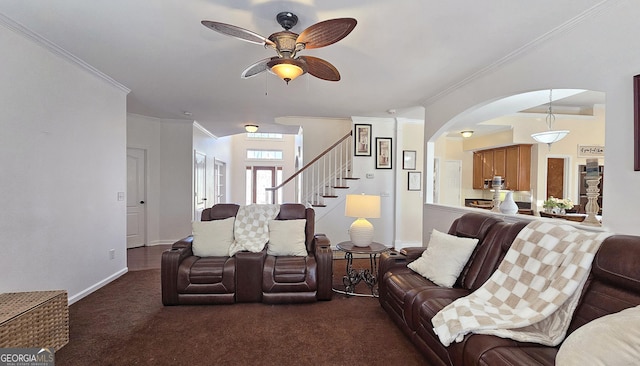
(125, 323)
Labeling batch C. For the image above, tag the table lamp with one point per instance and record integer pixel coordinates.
(362, 207)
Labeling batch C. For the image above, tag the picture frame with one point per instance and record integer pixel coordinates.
(362, 140)
(414, 181)
(636, 123)
(384, 152)
(409, 160)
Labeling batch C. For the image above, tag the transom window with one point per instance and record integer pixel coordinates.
(264, 135)
(255, 154)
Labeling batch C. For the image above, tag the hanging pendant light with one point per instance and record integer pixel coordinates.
(550, 136)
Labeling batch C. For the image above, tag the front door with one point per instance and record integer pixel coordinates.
(136, 196)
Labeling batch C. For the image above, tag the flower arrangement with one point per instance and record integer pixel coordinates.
(562, 203)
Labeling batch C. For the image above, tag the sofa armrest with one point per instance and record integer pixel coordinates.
(169, 264)
(183, 243)
(389, 260)
(413, 253)
(324, 261)
(249, 275)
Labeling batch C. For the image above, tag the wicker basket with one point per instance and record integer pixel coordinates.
(34, 319)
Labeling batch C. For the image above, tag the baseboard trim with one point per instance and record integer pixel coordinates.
(88, 291)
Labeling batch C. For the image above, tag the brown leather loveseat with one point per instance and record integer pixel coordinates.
(247, 276)
(412, 300)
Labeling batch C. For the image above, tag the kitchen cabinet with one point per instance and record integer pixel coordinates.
(518, 168)
(513, 163)
(482, 168)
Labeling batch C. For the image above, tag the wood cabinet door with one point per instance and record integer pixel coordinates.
(487, 164)
(478, 179)
(499, 162)
(518, 168)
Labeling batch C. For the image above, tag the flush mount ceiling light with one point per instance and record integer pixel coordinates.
(550, 136)
(466, 134)
(251, 128)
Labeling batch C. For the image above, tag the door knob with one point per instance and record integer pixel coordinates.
(142, 202)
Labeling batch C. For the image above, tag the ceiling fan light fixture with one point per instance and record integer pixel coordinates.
(287, 69)
(251, 128)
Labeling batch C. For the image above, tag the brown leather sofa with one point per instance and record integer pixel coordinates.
(411, 300)
(249, 277)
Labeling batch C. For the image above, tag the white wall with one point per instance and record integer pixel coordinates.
(216, 149)
(239, 145)
(169, 175)
(63, 159)
(597, 53)
(408, 221)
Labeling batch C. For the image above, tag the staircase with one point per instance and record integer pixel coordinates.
(325, 178)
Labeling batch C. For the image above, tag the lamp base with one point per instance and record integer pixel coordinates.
(361, 233)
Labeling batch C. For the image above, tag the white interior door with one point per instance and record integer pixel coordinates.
(220, 173)
(451, 178)
(136, 196)
(200, 184)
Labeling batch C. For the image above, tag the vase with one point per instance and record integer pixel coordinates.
(509, 206)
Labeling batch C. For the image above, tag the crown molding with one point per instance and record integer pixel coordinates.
(204, 130)
(555, 32)
(52, 47)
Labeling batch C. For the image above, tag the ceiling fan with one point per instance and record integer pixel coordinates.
(287, 65)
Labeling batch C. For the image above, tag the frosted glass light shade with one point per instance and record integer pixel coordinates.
(286, 69)
(549, 137)
(251, 128)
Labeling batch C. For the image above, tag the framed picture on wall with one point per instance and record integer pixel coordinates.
(415, 181)
(383, 153)
(409, 160)
(362, 140)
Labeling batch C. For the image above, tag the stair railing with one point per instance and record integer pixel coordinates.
(321, 176)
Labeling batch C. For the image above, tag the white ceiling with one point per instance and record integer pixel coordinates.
(401, 54)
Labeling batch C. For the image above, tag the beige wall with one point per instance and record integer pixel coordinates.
(585, 130)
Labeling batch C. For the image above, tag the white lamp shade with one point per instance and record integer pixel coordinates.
(549, 137)
(362, 206)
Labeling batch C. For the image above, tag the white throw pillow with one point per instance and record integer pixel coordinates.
(212, 238)
(611, 340)
(444, 258)
(287, 237)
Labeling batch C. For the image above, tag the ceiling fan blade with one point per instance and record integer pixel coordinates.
(320, 68)
(256, 68)
(326, 32)
(237, 32)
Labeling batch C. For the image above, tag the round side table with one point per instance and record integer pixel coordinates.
(368, 275)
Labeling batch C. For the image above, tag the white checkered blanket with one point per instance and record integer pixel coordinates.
(533, 293)
(251, 227)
